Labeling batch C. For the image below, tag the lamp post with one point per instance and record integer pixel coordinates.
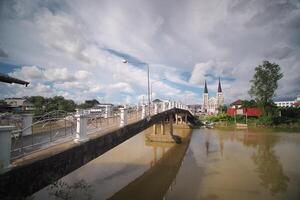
(148, 80)
(152, 83)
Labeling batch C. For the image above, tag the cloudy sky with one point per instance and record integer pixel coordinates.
(75, 48)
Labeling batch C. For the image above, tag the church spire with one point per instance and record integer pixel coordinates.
(205, 88)
(219, 87)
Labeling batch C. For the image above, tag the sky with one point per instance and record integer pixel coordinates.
(76, 48)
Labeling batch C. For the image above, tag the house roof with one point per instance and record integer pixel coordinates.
(237, 102)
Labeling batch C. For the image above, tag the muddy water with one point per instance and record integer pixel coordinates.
(239, 165)
(210, 164)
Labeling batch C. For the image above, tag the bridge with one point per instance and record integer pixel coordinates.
(94, 136)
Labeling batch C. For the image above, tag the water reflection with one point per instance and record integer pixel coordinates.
(239, 165)
(268, 165)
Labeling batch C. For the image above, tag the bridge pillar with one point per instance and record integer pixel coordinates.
(5, 147)
(154, 129)
(26, 124)
(123, 116)
(143, 111)
(162, 128)
(81, 128)
(171, 124)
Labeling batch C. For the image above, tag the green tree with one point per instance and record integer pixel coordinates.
(265, 83)
(249, 104)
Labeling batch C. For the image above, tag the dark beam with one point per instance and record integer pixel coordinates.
(8, 79)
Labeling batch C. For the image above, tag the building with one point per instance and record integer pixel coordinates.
(19, 104)
(237, 104)
(211, 104)
(286, 101)
(102, 108)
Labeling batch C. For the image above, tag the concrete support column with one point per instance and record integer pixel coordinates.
(81, 127)
(162, 128)
(176, 118)
(155, 108)
(26, 124)
(143, 111)
(154, 129)
(171, 124)
(123, 116)
(5, 147)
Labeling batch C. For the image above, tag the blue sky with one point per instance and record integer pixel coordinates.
(72, 49)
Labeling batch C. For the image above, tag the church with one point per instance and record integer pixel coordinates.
(211, 105)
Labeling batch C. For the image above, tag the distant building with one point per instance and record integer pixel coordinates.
(286, 101)
(237, 104)
(101, 108)
(20, 104)
(236, 108)
(211, 104)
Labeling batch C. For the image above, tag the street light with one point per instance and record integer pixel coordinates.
(148, 77)
(151, 91)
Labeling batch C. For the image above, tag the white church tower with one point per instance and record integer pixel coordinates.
(205, 99)
(220, 97)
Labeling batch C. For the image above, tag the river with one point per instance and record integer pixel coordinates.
(209, 164)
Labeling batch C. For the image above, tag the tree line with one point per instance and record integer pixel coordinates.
(43, 104)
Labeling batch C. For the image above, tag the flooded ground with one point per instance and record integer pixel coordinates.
(211, 164)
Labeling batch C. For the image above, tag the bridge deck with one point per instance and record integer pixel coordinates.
(33, 172)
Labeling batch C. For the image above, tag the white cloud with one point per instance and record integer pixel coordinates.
(186, 43)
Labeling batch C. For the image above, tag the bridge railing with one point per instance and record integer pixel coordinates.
(57, 127)
(48, 130)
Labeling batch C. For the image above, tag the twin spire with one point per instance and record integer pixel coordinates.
(219, 87)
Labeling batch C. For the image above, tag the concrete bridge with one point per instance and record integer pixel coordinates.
(30, 173)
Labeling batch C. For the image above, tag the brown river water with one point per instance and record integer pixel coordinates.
(210, 164)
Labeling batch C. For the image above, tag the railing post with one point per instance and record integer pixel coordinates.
(170, 105)
(5, 147)
(107, 111)
(143, 111)
(163, 106)
(26, 124)
(123, 117)
(155, 108)
(81, 128)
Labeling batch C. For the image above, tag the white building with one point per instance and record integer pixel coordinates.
(211, 104)
(286, 101)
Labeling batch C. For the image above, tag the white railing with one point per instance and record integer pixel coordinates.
(58, 126)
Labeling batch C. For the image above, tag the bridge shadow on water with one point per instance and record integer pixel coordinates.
(156, 181)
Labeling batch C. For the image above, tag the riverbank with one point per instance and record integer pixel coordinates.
(274, 128)
(223, 120)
